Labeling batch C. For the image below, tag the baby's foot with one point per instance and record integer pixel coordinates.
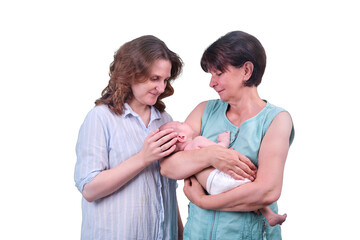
(277, 219)
(224, 138)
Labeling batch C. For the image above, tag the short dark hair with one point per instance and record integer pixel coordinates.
(234, 49)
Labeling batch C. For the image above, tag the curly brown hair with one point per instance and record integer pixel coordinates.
(132, 64)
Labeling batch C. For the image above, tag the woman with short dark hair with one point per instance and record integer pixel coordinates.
(259, 132)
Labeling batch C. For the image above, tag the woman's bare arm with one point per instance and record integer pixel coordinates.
(184, 164)
(268, 184)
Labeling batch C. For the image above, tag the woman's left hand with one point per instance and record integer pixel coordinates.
(193, 190)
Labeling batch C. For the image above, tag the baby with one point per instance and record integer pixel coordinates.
(213, 180)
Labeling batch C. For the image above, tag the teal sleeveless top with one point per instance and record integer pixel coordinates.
(210, 224)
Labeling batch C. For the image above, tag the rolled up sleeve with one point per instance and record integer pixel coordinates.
(91, 149)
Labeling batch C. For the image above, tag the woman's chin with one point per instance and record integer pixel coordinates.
(222, 98)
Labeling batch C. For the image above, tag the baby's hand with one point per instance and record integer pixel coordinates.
(224, 138)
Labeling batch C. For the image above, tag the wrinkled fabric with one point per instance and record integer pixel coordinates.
(217, 225)
(145, 207)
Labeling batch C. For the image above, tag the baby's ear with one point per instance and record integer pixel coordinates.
(181, 138)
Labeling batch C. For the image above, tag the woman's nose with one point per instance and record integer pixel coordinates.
(161, 86)
(212, 81)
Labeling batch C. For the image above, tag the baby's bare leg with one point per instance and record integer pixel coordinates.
(203, 176)
(272, 218)
(224, 139)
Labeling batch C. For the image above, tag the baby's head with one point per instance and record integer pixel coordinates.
(184, 131)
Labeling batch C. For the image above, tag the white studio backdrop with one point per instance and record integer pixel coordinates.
(55, 57)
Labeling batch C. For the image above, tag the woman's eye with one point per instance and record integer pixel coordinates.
(219, 74)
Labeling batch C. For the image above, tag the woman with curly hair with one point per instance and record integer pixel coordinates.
(119, 145)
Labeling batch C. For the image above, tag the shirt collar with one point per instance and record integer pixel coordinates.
(155, 114)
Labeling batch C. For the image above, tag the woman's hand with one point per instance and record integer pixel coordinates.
(158, 144)
(232, 162)
(193, 190)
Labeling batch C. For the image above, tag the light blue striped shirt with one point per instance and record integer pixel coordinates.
(145, 207)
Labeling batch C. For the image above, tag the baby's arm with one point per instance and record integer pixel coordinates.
(197, 143)
(202, 176)
(201, 141)
(224, 139)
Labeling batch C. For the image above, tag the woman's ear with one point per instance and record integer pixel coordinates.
(248, 70)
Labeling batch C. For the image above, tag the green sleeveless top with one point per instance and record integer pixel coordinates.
(210, 224)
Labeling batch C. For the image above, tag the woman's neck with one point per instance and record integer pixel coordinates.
(246, 106)
(142, 110)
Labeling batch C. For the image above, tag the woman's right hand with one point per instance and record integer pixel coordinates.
(158, 144)
(231, 162)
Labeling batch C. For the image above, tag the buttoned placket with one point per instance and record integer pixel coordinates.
(159, 182)
(147, 130)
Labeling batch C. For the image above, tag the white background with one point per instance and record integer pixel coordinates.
(54, 61)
